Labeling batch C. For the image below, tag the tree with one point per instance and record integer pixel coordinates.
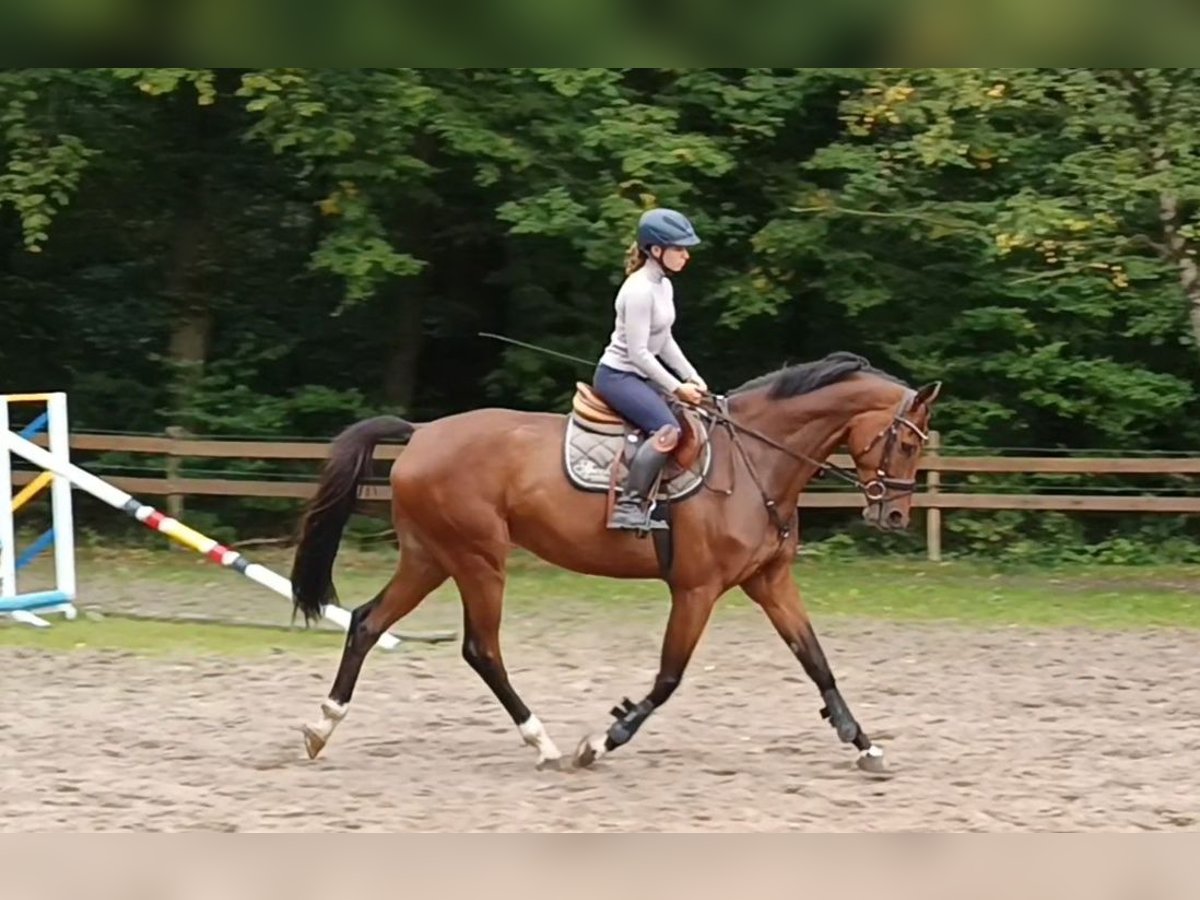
(1031, 229)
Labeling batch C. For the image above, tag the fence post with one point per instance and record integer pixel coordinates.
(174, 501)
(933, 514)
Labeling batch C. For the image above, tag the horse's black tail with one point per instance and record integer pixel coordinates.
(329, 510)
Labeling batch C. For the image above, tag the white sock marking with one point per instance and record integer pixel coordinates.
(534, 734)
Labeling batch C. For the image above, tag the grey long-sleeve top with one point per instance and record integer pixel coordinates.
(645, 312)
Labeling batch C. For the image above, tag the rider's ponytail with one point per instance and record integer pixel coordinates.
(635, 258)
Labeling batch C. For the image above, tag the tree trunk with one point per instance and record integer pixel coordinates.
(400, 377)
(1189, 280)
(1177, 251)
(188, 352)
(192, 328)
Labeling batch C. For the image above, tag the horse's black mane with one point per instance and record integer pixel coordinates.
(802, 378)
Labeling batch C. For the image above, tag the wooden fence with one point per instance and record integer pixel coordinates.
(934, 498)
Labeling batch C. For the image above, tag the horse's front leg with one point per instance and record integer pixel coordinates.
(690, 612)
(773, 589)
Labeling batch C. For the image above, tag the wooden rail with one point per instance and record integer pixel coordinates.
(934, 464)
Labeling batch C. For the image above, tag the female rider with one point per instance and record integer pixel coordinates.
(629, 376)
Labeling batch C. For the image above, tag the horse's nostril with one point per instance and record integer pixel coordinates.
(895, 518)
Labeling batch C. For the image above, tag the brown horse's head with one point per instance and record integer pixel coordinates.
(886, 447)
(842, 400)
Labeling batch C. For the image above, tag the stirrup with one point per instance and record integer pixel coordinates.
(643, 525)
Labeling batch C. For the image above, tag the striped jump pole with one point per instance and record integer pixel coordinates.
(30, 607)
(68, 473)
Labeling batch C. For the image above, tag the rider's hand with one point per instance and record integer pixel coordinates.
(689, 393)
(699, 382)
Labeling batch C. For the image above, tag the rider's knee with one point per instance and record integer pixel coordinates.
(667, 438)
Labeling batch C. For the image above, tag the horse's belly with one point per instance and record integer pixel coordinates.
(568, 529)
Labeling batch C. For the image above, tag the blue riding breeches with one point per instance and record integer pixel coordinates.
(635, 398)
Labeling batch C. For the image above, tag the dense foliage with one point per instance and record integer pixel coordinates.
(283, 250)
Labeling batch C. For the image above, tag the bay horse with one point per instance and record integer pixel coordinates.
(468, 486)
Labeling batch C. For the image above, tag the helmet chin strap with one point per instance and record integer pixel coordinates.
(661, 260)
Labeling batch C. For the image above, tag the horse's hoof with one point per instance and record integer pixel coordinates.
(590, 749)
(871, 761)
(550, 764)
(314, 743)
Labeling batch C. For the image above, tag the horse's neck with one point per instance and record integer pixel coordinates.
(811, 425)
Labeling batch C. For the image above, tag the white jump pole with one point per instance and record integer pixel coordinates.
(152, 518)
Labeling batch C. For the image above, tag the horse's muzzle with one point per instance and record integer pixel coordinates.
(885, 516)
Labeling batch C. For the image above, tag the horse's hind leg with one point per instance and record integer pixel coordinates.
(773, 589)
(480, 578)
(417, 575)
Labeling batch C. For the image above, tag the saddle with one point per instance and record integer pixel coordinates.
(599, 442)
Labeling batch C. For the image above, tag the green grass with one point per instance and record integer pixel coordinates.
(163, 638)
(968, 593)
(974, 594)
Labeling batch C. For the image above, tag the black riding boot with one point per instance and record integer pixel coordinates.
(629, 511)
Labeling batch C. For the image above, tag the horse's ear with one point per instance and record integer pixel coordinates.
(927, 394)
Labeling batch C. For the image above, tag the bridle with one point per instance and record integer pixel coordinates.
(874, 490)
